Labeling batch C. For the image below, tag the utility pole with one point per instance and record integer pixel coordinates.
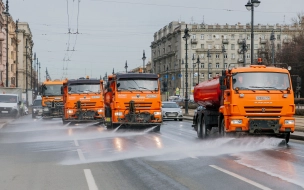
(17, 31)
(113, 71)
(193, 69)
(223, 51)
(37, 77)
(6, 69)
(126, 67)
(272, 38)
(39, 72)
(144, 58)
(198, 63)
(26, 80)
(244, 50)
(167, 89)
(208, 55)
(31, 67)
(35, 70)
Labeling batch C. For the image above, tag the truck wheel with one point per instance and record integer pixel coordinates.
(199, 129)
(222, 128)
(287, 136)
(204, 129)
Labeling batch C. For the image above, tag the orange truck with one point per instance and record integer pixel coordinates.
(257, 99)
(83, 100)
(133, 100)
(52, 102)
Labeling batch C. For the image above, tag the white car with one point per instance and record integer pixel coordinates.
(170, 110)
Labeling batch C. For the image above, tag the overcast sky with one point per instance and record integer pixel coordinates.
(113, 31)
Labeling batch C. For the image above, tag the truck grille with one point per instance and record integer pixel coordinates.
(5, 109)
(87, 104)
(49, 104)
(141, 105)
(263, 109)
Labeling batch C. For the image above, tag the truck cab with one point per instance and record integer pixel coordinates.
(133, 99)
(83, 100)
(52, 101)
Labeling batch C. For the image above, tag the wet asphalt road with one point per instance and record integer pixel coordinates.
(44, 154)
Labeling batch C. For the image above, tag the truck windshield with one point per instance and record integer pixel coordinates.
(261, 80)
(8, 99)
(84, 88)
(52, 90)
(137, 84)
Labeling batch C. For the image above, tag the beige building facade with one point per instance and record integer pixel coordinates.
(168, 49)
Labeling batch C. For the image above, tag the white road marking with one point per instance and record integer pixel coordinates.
(90, 179)
(81, 156)
(76, 142)
(240, 177)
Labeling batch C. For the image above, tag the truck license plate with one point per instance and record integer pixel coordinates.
(108, 119)
(4, 111)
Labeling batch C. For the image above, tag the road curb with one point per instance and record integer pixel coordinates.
(292, 136)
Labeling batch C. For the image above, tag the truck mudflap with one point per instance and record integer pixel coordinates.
(264, 126)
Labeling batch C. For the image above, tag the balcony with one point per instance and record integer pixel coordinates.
(240, 41)
(193, 41)
(240, 60)
(263, 50)
(286, 41)
(263, 41)
(225, 41)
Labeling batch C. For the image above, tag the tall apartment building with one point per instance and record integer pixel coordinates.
(168, 50)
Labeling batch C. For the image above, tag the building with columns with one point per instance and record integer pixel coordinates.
(168, 50)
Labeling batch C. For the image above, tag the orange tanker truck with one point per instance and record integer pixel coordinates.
(133, 100)
(83, 100)
(52, 103)
(254, 100)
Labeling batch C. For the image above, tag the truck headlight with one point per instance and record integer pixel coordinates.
(289, 122)
(157, 113)
(100, 110)
(236, 121)
(118, 113)
(70, 111)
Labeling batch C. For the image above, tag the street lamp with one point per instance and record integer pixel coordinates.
(272, 38)
(113, 71)
(167, 83)
(250, 6)
(198, 63)
(26, 57)
(193, 65)
(144, 58)
(6, 69)
(208, 55)
(126, 67)
(223, 51)
(186, 37)
(17, 31)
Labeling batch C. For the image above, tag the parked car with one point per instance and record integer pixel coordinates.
(170, 110)
(37, 108)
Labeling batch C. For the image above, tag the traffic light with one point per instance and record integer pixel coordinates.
(165, 86)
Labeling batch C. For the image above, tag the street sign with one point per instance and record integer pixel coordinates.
(166, 76)
(173, 78)
(180, 75)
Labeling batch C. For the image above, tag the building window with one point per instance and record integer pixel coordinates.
(232, 47)
(232, 56)
(210, 75)
(202, 36)
(255, 55)
(217, 56)
(255, 46)
(248, 46)
(217, 46)
(217, 65)
(248, 36)
(279, 46)
(203, 46)
(278, 37)
(225, 36)
(240, 36)
(217, 36)
(232, 36)
(210, 36)
(209, 46)
(225, 65)
(285, 37)
(202, 65)
(202, 75)
(225, 56)
(256, 37)
(194, 36)
(193, 46)
(248, 55)
(226, 46)
(202, 56)
(210, 65)
(217, 74)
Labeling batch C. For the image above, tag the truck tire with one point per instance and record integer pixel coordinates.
(199, 128)
(287, 136)
(204, 129)
(222, 128)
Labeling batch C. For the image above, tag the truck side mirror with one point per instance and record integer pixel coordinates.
(222, 85)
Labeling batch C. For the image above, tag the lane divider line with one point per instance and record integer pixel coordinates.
(76, 142)
(241, 178)
(90, 179)
(81, 156)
